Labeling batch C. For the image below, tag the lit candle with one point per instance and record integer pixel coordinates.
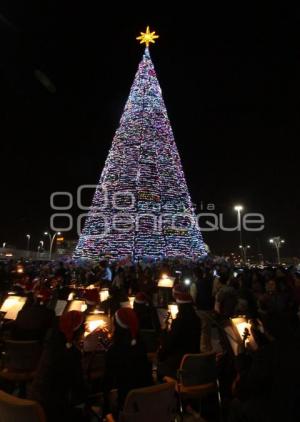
(131, 300)
(173, 309)
(104, 295)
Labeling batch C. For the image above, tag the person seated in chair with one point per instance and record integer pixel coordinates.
(59, 384)
(183, 337)
(35, 319)
(92, 300)
(127, 366)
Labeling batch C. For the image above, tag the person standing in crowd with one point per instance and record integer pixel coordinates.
(147, 315)
(59, 383)
(296, 289)
(118, 282)
(118, 293)
(220, 276)
(201, 292)
(273, 300)
(183, 337)
(146, 282)
(130, 282)
(127, 366)
(63, 273)
(257, 285)
(226, 299)
(106, 274)
(246, 300)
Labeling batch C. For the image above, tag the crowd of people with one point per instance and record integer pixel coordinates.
(257, 384)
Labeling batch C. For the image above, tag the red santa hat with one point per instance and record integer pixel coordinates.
(127, 319)
(92, 296)
(69, 323)
(183, 297)
(141, 299)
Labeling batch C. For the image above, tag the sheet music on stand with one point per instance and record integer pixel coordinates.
(77, 305)
(12, 305)
(166, 282)
(235, 331)
(60, 307)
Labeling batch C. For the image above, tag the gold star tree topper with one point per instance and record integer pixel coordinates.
(147, 37)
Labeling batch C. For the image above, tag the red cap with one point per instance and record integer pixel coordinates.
(183, 297)
(69, 323)
(92, 296)
(141, 299)
(126, 318)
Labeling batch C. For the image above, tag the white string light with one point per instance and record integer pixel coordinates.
(144, 161)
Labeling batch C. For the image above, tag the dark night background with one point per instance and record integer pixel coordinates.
(230, 79)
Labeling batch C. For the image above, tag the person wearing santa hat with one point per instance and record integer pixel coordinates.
(59, 383)
(147, 315)
(127, 365)
(92, 299)
(183, 337)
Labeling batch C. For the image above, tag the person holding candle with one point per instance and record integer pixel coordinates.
(147, 315)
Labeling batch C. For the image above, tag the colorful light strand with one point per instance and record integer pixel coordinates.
(142, 189)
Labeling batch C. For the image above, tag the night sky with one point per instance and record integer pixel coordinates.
(230, 79)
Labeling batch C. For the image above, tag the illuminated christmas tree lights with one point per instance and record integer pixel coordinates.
(141, 206)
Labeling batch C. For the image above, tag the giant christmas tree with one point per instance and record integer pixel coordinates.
(141, 206)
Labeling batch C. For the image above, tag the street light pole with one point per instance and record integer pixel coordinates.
(277, 242)
(51, 245)
(239, 209)
(244, 249)
(28, 243)
(40, 247)
(51, 239)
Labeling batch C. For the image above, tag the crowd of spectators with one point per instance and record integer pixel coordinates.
(257, 384)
